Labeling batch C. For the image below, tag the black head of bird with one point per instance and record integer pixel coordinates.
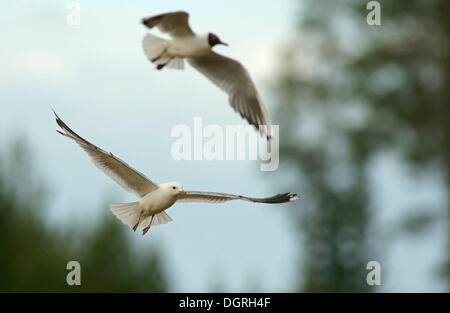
(214, 40)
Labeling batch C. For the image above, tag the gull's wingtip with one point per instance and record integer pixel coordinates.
(146, 21)
(56, 115)
(263, 131)
(58, 120)
(293, 197)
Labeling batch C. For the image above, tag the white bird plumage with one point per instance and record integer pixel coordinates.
(154, 198)
(228, 74)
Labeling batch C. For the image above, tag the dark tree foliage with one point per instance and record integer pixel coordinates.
(33, 256)
(348, 93)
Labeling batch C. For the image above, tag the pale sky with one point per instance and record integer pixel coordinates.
(97, 79)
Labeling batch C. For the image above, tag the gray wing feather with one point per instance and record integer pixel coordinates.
(127, 177)
(217, 197)
(230, 76)
(176, 24)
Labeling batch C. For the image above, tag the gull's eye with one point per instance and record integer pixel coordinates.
(173, 187)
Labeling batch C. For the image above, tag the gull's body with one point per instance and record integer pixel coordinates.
(228, 74)
(188, 47)
(154, 198)
(158, 200)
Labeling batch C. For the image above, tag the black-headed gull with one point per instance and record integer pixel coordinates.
(226, 73)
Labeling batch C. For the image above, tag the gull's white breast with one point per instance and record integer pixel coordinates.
(189, 47)
(157, 201)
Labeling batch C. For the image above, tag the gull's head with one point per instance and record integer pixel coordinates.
(213, 40)
(174, 188)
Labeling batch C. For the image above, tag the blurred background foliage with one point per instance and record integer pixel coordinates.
(33, 256)
(348, 93)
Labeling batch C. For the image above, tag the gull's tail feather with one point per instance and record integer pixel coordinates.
(158, 219)
(154, 48)
(176, 63)
(128, 213)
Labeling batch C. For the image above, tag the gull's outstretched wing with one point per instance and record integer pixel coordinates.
(217, 197)
(230, 76)
(127, 177)
(176, 24)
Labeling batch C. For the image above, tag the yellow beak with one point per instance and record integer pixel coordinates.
(182, 192)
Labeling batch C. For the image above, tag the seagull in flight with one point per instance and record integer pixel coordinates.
(154, 198)
(228, 74)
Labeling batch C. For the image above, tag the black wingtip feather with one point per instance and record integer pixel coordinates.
(279, 198)
(151, 21)
(67, 131)
(144, 22)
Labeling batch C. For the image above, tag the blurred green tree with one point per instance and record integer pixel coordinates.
(348, 93)
(33, 256)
